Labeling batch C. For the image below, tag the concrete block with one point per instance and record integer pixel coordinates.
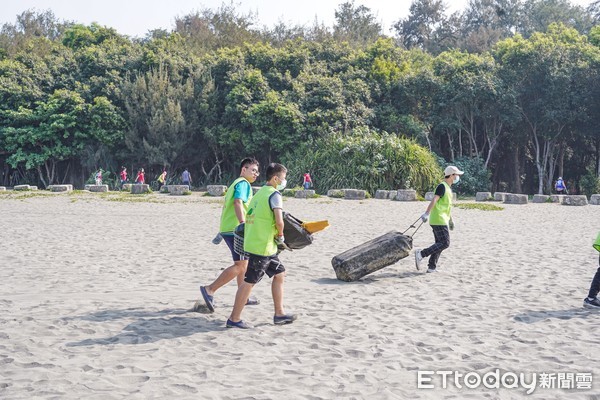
(339, 193)
(60, 188)
(382, 194)
(22, 187)
(574, 200)
(540, 198)
(354, 194)
(178, 190)
(216, 190)
(483, 196)
(594, 199)
(140, 188)
(406, 195)
(500, 196)
(97, 188)
(511, 198)
(304, 194)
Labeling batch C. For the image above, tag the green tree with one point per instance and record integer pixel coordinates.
(355, 24)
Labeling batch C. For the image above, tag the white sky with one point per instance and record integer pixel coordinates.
(137, 17)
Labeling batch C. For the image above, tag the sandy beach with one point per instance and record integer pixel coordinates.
(95, 297)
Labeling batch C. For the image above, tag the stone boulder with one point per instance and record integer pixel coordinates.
(304, 194)
(22, 187)
(60, 188)
(164, 189)
(500, 196)
(540, 198)
(483, 196)
(127, 187)
(140, 188)
(392, 195)
(97, 188)
(574, 200)
(594, 199)
(2, 189)
(406, 195)
(556, 198)
(216, 190)
(511, 198)
(354, 194)
(179, 190)
(382, 194)
(429, 196)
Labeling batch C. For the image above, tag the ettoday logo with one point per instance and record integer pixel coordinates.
(507, 380)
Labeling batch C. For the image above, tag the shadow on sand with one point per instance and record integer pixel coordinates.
(530, 317)
(152, 326)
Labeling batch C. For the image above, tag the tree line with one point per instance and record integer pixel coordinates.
(508, 89)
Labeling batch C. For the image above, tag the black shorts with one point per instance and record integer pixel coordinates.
(229, 240)
(259, 265)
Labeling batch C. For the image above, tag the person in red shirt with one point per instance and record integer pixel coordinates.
(140, 178)
(307, 181)
(123, 176)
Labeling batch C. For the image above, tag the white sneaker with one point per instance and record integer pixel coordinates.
(418, 258)
(430, 270)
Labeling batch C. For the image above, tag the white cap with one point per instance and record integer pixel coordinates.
(451, 170)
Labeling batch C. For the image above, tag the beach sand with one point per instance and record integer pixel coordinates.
(95, 298)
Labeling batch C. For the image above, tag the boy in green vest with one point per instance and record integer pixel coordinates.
(263, 233)
(237, 199)
(592, 300)
(440, 219)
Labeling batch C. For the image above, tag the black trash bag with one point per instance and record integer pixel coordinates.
(296, 237)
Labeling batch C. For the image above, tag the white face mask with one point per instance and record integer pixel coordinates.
(282, 185)
(456, 179)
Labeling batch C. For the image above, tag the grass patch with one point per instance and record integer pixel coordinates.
(478, 206)
(337, 194)
(133, 198)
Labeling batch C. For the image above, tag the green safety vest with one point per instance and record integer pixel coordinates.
(260, 230)
(440, 215)
(597, 242)
(228, 218)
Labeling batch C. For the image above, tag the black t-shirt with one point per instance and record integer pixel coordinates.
(440, 190)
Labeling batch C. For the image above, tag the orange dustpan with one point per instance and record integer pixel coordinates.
(315, 226)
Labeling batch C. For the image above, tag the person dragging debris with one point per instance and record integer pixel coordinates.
(592, 300)
(439, 215)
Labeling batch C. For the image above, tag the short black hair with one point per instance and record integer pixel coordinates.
(248, 161)
(274, 169)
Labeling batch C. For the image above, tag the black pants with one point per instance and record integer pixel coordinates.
(442, 242)
(595, 287)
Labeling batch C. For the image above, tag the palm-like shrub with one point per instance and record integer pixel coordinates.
(365, 159)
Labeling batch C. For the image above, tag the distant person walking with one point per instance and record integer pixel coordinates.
(99, 177)
(560, 187)
(141, 177)
(440, 219)
(186, 178)
(162, 178)
(123, 176)
(306, 181)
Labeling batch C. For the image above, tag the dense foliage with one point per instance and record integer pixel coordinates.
(508, 89)
(365, 159)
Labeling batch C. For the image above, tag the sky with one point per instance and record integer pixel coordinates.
(137, 17)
